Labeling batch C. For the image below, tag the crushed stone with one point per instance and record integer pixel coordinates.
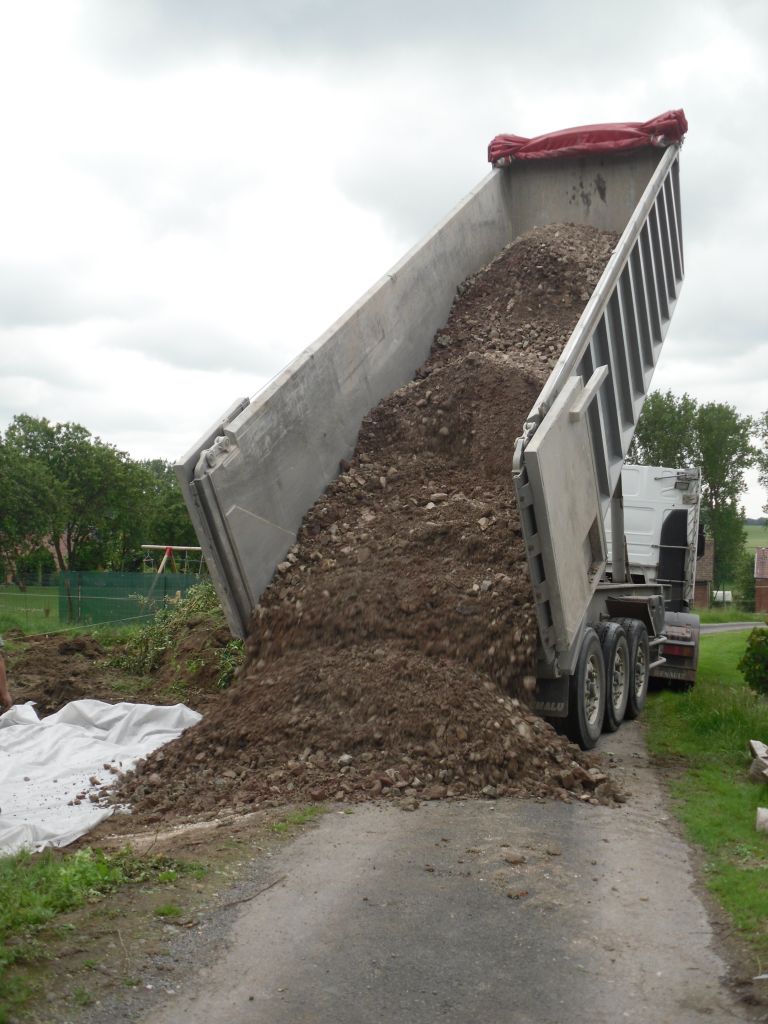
(392, 653)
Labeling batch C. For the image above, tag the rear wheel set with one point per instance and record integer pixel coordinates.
(610, 682)
(640, 662)
(586, 694)
(613, 641)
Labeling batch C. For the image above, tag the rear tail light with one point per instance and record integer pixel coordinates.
(677, 650)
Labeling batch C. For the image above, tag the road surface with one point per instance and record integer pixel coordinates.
(490, 911)
(729, 627)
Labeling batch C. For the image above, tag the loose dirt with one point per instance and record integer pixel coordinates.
(392, 652)
(53, 670)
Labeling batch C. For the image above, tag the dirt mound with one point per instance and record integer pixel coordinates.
(400, 630)
(327, 729)
(52, 671)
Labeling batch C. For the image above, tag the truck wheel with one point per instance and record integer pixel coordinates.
(586, 694)
(613, 641)
(639, 661)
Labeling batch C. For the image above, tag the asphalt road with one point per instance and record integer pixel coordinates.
(499, 912)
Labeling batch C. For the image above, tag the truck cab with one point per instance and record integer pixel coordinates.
(664, 538)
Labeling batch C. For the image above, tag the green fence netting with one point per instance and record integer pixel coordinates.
(92, 597)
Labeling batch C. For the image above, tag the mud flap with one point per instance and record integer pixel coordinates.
(550, 698)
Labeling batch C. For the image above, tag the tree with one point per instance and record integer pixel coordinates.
(725, 452)
(29, 497)
(90, 501)
(168, 521)
(679, 432)
(93, 521)
(762, 426)
(666, 432)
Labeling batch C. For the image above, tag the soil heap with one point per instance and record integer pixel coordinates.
(393, 650)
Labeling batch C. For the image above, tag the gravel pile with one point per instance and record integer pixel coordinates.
(391, 655)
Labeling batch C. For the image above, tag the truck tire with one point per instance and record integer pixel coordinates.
(639, 660)
(618, 673)
(586, 694)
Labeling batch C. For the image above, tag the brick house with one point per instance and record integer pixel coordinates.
(761, 580)
(705, 571)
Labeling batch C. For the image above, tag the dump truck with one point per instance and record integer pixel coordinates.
(254, 474)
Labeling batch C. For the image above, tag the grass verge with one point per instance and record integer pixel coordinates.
(708, 729)
(729, 615)
(36, 888)
(295, 819)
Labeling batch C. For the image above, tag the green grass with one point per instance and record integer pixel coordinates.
(82, 997)
(169, 910)
(36, 888)
(757, 537)
(708, 729)
(728, 615)
(35, 610)
(297, 818)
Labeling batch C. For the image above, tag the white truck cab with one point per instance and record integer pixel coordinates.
(663, 541)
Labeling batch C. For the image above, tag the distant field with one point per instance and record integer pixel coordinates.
(757, 537)
(35, 610)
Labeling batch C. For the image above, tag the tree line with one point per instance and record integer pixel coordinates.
(70, 501)
(679, 431)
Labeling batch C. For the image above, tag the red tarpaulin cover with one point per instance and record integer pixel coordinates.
(590, 138)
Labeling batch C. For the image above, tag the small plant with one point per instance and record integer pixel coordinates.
(82, 997)
(179, 689)
(230, 659)
(296, 818)
(168, 910)
(754, 663)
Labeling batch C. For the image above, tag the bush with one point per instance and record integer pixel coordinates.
(145, 651)
(754, 663)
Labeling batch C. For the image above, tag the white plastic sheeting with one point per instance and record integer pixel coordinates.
(45, 764)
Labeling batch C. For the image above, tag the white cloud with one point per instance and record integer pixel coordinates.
(197, 190)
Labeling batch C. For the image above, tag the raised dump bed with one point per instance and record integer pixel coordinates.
(256, 472)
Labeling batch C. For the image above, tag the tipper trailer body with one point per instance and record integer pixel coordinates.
(255, 473)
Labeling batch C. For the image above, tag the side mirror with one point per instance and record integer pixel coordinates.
(701, 543)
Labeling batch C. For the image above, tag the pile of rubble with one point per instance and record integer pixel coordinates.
(392, 653)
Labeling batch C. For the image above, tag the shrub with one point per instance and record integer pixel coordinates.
(754, 663)
(144, 652)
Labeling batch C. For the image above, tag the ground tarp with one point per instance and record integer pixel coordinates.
(53, 769)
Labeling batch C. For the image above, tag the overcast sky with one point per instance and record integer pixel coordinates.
(193, 190)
